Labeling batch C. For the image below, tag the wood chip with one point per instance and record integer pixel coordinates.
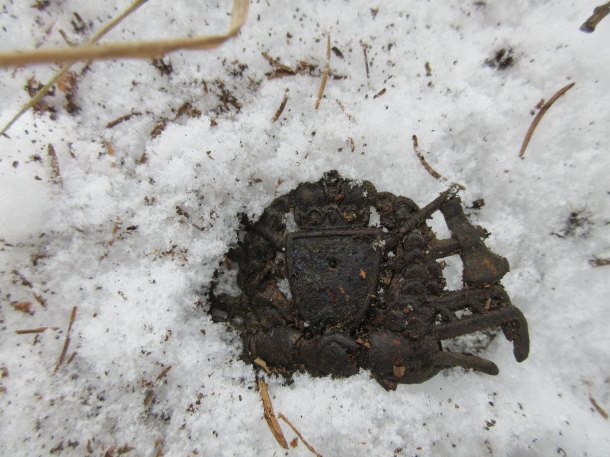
(64, 351)
(295, 430)
(272, 422)
(538, 117)
(435, 174)
(398, 370)
(24, 307)
(261, 363)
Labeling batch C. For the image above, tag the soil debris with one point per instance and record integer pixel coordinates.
(502, 59)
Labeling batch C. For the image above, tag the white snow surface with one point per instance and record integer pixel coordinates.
(134, 243)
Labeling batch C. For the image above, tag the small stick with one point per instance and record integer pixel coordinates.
(31, 330)
(55, 171)
(324, 73)
(294, 429)
(94, 39)
(280, 110)
(599, 13)
(272, 422)
(435, 174)
(598, 408)
(62, 356)
(538, 117)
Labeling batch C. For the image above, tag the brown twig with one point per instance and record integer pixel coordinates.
(66, 67)
(294, 429)
(280, 110)
(599, 13)
(272, 422)
(324, 73)
(435, 174)
(64, 351)
(598, 408)
(538, 117)
(55, 171)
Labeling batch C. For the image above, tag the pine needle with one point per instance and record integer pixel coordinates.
(536, 121)
(324, 73)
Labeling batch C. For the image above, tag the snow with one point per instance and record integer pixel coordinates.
(133, 243)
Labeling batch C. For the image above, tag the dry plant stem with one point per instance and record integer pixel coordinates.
(137, 50)
(435, 174)
(280, 110)
(599, 13)
(272, 422)
(64, 351)
(294, 429)
(536, 121)
(324, 73)
(94, 39)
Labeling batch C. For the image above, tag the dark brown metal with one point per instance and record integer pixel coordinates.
(364, 297)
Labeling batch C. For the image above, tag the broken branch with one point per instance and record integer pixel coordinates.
(272, 422)
(538, 117)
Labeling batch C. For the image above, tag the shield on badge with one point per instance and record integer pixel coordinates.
(332, 274)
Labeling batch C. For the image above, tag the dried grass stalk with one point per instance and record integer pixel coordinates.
(66, 67)
(137, 49)
(92, 51)
(536, 121)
